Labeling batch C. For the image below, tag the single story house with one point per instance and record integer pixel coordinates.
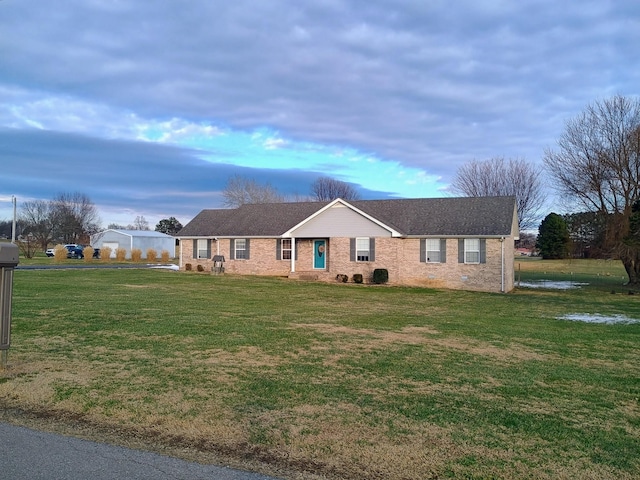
(130, 239)
(459, 243)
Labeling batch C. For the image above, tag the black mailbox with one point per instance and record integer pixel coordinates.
(8, 260)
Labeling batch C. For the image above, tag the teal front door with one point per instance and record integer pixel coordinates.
(319, 254)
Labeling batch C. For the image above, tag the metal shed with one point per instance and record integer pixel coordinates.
(130, 239)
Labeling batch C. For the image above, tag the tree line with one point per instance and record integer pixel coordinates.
(68, 218)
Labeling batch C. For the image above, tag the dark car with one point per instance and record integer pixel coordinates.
(74, 251)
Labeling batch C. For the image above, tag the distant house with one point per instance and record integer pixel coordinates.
(131, 239)
(458, 243)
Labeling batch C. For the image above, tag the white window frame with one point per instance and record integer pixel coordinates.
(433, 255)
(285, 249)
(471, 250)
(363, 249)
(240, 249)
(201, 248)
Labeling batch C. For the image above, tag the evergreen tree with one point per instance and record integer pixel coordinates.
(553, 237)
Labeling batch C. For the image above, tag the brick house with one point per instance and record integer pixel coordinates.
(458, 243)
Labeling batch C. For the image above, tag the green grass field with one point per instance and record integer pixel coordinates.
(321, 380)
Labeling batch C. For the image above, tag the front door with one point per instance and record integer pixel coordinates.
(319, 254)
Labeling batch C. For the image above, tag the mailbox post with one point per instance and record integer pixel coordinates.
(8, 260)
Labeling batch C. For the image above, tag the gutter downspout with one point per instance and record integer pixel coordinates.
(502, 264)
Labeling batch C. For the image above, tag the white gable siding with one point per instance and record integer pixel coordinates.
(340, 221)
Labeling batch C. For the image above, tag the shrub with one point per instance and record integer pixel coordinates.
(342, 278)
(164, 256)
(187, 267)
(357, 278)
(121, 254)
(200, 268)
(87, 254)
(136, 255)
(105, 254)
(59, 253)
(152, 255)
(380, 275)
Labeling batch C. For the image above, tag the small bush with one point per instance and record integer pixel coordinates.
(357, 278)
(87, 254)
(152, 255)
(164, 256)
(200, 268)
(105, 254)
(342, 278)
(380, 275)
(136, 255)
(187, 267)
(121, 254)
(60, 253)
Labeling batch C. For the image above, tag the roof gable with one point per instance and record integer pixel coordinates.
(342, 220)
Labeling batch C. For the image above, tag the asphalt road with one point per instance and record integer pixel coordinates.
(27, 454)
(94, 265)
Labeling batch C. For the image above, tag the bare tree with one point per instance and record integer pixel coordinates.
(37, 217)
(325, 189)
(597, 164)
(499, 177)
(74, 215)
(241, 190)
(140, 223)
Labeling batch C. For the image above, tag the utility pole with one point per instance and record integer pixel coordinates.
(13, 225)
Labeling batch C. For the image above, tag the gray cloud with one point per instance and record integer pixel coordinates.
(427, 84)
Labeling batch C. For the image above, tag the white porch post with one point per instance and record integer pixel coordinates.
(293, 255)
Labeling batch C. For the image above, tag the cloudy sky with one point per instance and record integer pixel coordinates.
(149, 107)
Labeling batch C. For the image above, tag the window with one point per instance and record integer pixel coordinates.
(203, 248)
(362, 249)
(241, 249)
(433, 250)
(285, 249)
(471, 250)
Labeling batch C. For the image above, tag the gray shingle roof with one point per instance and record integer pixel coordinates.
(466, 216)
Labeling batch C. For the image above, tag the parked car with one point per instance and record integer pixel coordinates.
(74, 251)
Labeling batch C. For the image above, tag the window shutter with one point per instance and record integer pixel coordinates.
(248, 254)
(295, 241)
(443, 250)
(232, 249)
(278, 249)
(195, 249)
(209, 248)
(372, 249)
(352, 249)
(461, 250)
(483, 250)
(423, 250)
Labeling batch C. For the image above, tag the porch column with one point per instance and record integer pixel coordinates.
(293, 255)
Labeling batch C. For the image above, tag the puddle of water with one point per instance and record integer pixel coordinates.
(559, 285)
(597, 318)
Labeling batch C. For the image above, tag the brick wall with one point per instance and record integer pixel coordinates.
(400, 256)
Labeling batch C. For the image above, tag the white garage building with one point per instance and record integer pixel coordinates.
(130, 239)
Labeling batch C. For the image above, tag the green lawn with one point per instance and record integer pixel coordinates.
(346, 381)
